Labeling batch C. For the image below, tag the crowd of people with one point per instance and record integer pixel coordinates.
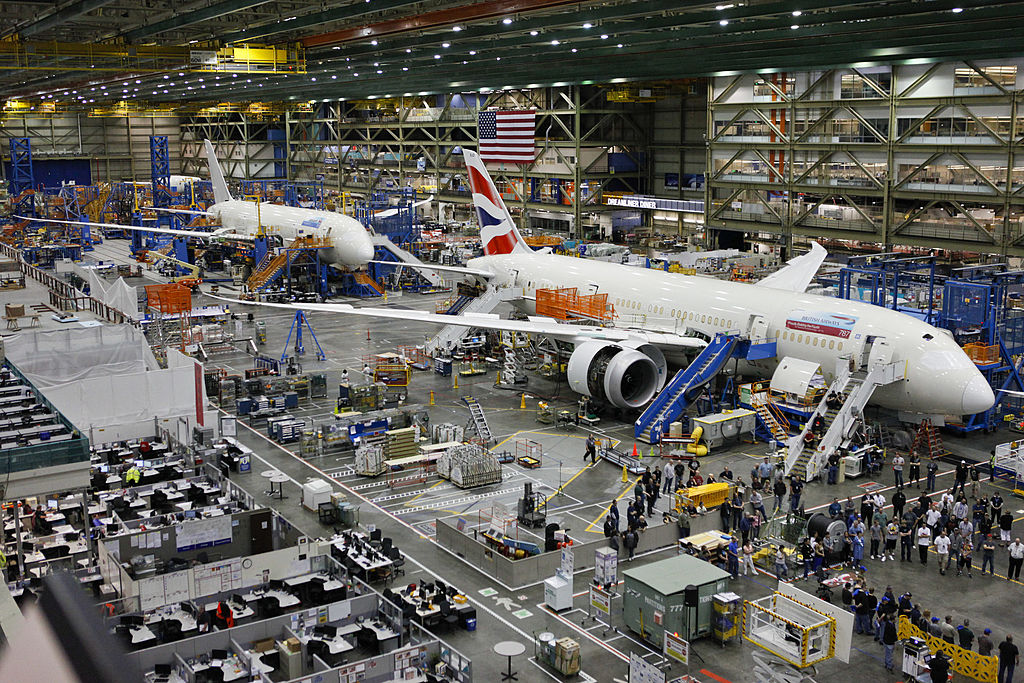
(879, 617)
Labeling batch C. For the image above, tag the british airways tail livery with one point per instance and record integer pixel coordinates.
(498, 233)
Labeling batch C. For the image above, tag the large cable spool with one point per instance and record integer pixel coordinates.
(820, 523)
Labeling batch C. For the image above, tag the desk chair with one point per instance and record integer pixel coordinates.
(442, 589)
(316, 648)
(449, 617)
(315, 591)
(397, 561)
(269, 607)
(271, 659)
(171, 630)
(376, 537)
(386, 544)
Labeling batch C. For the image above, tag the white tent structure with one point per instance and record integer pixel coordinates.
(107, 382)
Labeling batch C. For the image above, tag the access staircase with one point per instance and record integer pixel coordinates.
(684, 388)
(272, 266)
(479, 420)
(368, 282)
(458, 305)
(856, 390)
(771, 420)
(404, 256)
(451, 335)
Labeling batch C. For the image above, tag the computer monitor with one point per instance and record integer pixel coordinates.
(51, 504)
(139, 463)
(190, 514)
(162, 669)
(105, 469)
(219, 654)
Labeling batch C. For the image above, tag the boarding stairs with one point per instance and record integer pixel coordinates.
(452, 335)
(479, 420)
(856, 390)
(404, 256)
(458, 305)
(684, 388)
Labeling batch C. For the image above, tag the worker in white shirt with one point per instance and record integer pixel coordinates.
(924, 541)
(1016, 559)
(942, 542)
(897, 469)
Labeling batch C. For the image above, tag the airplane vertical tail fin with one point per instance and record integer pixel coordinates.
(498, 232)
(220, 187)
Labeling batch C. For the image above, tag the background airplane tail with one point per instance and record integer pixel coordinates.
(220, 187)
(498, 232)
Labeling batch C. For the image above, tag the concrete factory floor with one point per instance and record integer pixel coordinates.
(579, 495)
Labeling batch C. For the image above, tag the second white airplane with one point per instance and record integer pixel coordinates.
(351, 246)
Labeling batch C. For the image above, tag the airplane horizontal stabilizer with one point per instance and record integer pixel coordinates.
(798, 272)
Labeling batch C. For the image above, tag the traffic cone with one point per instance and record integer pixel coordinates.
(456, 385)
(431, 397)
(497, 380)
(636, 453)
(652, 451)
(522, 402)
(367, 334)
(625, 477)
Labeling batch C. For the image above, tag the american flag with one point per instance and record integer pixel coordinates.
(507, 135)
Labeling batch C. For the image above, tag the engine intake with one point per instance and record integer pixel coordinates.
(623, 377)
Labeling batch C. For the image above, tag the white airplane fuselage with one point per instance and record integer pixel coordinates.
(351, 244)
(940, 378)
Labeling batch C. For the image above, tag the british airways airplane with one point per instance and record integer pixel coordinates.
(351, 246)
(663, 317)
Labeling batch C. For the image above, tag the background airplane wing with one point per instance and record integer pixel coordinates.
(387, 213)
(798, 272)
(193, 212)
(430, 266)
(491, 321)
(162, 231)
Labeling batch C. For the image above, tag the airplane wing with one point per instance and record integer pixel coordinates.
(798, 272)
(387, 213)
(194, 212)
(447, 269)
(137, 228)
(1010, 392)
(491, 321)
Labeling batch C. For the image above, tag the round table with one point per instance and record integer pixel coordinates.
(278, 478)
(268, 474)
(510, 649)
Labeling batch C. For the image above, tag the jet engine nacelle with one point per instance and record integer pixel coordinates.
(626, 375)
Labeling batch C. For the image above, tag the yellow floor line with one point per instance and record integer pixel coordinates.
(562, 488)
(618, 498)
(423, 493)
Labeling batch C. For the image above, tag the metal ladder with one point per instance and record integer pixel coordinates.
(476, 413)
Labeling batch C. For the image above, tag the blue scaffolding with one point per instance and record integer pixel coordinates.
(975, 308)
(400, 226)
(160, 166)
(296, 329)
(23, 201)
(892, 281)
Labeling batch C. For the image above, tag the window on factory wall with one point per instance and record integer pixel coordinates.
(984, 77)
(856, 86)
(762, 89)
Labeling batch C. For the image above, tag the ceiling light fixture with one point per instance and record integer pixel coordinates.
(507, 20)
(797, 13)
(456, 28)
(588, 25)
(723, 22)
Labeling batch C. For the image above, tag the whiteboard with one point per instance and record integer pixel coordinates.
(339, 611)
(215, 578)
(176, 587)
(203, 533)
(151, 593)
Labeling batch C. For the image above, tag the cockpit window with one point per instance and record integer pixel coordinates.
(927, 337)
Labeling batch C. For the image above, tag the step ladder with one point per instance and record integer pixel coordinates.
(452, 335)
(927, 442)
(478, 419)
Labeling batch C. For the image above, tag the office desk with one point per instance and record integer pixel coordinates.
(335, 646)
(187, 621)
(256, 662)
(383, 634)
(175, 677)
(360, 559)
(237, 611)
(284, 599)
(232, 667)
(141, 635)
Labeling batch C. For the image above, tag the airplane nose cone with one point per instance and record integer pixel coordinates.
(978, 396)
(364, 250)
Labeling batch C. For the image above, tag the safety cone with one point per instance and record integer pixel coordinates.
(636, 452)
(431, 397)
(497, 380)
(625, 477)
(522, 402)
(367, 334)
(652, 451)
(456, 385)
